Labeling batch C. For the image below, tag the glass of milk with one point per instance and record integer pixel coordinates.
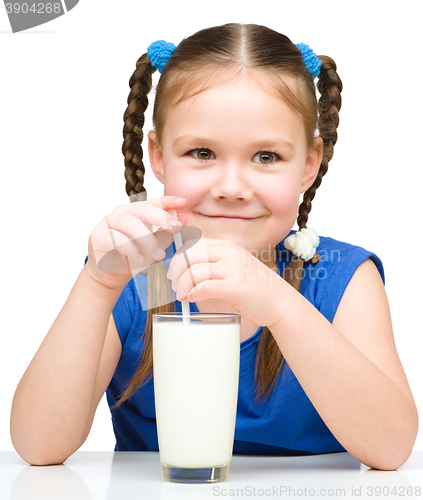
(196, 372)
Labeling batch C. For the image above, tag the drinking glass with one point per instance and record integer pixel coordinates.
(196, 373)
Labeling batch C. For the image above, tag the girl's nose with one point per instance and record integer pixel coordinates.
(231, 184)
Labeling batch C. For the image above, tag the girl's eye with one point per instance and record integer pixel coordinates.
(265, 157)
(202, 154)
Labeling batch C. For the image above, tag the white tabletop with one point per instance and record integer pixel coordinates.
(137, 475)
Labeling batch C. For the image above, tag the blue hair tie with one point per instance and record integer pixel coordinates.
(159, 52)
(310, 59)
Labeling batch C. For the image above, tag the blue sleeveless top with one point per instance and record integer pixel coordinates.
(286, 423)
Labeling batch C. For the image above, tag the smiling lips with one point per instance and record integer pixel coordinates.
(229, 217)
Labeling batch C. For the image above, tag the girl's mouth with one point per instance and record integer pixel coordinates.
(229, 217)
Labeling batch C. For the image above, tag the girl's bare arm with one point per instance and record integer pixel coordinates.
(55, 401)
(351, 371)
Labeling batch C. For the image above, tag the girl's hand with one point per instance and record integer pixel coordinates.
(221, 269)
(123, 243)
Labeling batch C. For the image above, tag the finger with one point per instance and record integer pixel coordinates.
(136, 232)
(131, 259)
(195, 275)
(151, 215)
(188, 255)
(123, 258)
(164, 238)
(105, 239)
(118, 261)
(169, 202)
(155, 211)
(182, 218)
(211, 289)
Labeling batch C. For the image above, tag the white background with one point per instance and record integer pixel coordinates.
(63, 93)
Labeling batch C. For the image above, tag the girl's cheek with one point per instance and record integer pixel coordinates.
(186, 186)
(283, 197)
(176, 187)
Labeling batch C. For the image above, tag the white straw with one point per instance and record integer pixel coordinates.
(178, 244)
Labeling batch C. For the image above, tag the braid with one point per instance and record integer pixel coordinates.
(330, 87)
(140, 83)
(158, 284)
(269, 358)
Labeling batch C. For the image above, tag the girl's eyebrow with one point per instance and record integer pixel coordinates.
(192, 139)
(259, 145)
(266, 145)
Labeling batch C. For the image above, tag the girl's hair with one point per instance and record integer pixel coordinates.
(211, 57)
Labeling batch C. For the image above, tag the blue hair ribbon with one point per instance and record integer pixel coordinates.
(159, 53)
(310, 59)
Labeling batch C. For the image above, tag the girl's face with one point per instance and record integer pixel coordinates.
(239, 156)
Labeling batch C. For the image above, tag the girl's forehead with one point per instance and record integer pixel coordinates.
(229, 77)
(241, 103)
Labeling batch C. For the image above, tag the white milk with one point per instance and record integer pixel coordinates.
(196, 371)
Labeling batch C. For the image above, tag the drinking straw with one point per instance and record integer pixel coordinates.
(178, 244)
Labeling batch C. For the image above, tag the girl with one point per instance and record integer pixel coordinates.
(239, 136)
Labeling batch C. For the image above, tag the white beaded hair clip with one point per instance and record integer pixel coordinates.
(304, 244)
